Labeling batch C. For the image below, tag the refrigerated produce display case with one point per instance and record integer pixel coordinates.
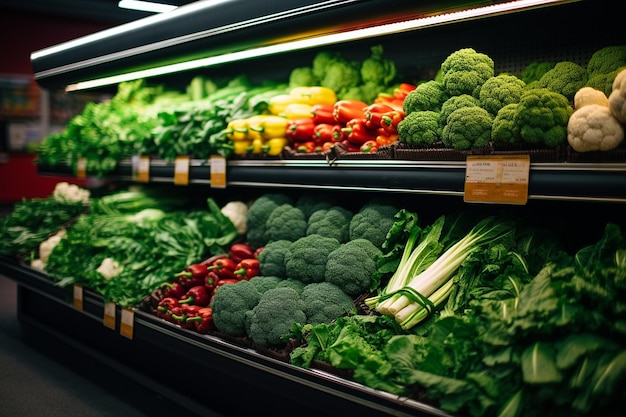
(203, 371)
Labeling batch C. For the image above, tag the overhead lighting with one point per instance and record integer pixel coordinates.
(146, 6)
(315, 41)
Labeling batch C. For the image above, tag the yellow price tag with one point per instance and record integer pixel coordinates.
(127, 323)
(81, 168)
(78, 297)
(109, 315)
(497, 178)
(141, 168)
(218, 171)
(181, 170)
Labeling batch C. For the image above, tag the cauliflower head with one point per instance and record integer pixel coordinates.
(589, 95)
(465, 71)
(593, 128)
(617, 98)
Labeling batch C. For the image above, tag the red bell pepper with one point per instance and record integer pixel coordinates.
(240, 251)
(257, 251)
(369, 147)
(223, 267)
(197, 295)
(211, 280)
(306, 147)
(247, 269)
(374, 114)
(389, 121)
(177, 315)
(300, 130)
(223, 282)
(400, 92)
(323, 132)
(346, 110)
(350, 147)
(338, 134)
(389, 100)
(193, 275)
(165, 306)
(203, 321)
(358, 133)
(189, 312)
(173, 289)
(323, 113)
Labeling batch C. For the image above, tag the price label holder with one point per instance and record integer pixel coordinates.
(181, 170)
(127, 322)
(497, 179)
(81, 168)
(141, 168)
(218, 171)
(77, 297)
(109, 315)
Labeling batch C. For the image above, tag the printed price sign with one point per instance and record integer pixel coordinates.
(141, 168)
(218, 171)
(181, 170)
(81, 168)
(109, 315)
(78, 297)
(497, 178)
(127, 323)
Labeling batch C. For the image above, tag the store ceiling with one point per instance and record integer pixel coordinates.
(102, 11)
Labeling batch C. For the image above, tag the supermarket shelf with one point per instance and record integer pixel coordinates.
(600, 182)
(155, 341)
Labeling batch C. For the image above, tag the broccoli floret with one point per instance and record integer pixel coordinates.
(456, 102)
(467, 128)
(305, 260)
(542, 117)
(352, 265)
(324, 302)
(606, 60)
(258, 213)
(565, 78)
(420, 128)
(230, 304)
(535, 70)
(373, 221)
(285, 222)
(263, 283)
(313, 201)
(499, 91)
(465, 71)
(378, 70)
(272, 258)
(292, 283)
(366, 92)
(336, 73)
(331, 222)
(429, 95)
(271, 320)
(302, 77)
(604, 82)
(321, 61)
(504, 129)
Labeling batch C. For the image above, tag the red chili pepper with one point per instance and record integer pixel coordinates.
(211, 280)
(240, 251)
(346, 110)
(374, 114)
(358, 133)
(164, 307)
(197, 295)
(369, 147)
(300, 130)
(193, 275)
(306, 147)
(323, 132)
(390, 120)
(173, 289)
(247, 269)
(323, 113)
(223, 267)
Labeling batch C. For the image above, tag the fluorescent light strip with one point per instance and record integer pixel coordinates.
(316, 41)
(146, 6)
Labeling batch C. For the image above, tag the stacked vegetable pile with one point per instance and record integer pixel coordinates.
(468, 106)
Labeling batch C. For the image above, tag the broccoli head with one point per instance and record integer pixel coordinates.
(420, 128)
(365, 92)
(230, 304)
(535, 70)
(292, 283)
(331, 222)
(352, 265)
(258, 213)
(272, 258)
(606, 60)
(499, 91)
(565, 78)
(465, 71)
(467, 128)
(604, 82)
(263, 283)
(504, 129)
(302, 77)
(373, 221)
(378, 70)
(271, 320)
(285, 222)
(429, 95)
(313, 201)
(542, 116)
(456, 102)
(305, 260)
(324, 302)
(340, 75)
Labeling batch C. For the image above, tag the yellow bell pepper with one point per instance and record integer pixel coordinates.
(237, 130)
(275, 146)
(298, 111)
(256, 146)
(268, 126)
(240, 147)
(314, 95)
(278, 103)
